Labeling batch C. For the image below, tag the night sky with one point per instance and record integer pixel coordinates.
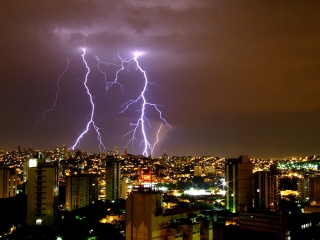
(232, 77)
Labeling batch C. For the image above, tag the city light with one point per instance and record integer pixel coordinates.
(197, 192)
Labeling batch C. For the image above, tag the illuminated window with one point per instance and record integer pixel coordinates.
(33, 163)
(38, 221)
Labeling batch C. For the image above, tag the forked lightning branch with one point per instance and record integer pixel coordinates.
(141, 104)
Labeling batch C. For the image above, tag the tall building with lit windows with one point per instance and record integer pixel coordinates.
(81, 191)
(42, 191)
(8, 182)
(61, 152)
(113, 178)
(266, 192)
(238, 174)
(303, 189)
(164, 159)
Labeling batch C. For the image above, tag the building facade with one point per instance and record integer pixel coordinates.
(42, 191)
(81, 191)
(8, 182)
(113, 178)
(197, 171)
(280, 225)
(314, 191)
(303, 189)
(146, 219)
(266, 192)
(238, 175)
(270, 223)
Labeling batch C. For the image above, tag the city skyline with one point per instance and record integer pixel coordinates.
(231, 78)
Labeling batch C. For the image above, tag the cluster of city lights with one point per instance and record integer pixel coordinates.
(299, 166)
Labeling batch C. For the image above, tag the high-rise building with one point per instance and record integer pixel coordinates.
(314, 191)
(238, 172)
(141, 211)
(113, 178)
(61, 152)
(81, 191)
(303, 189)
(42, 190)
(164, 159)
(123, 193)
(266, 193)
(116, 150)
(8, 182)
(146, 219)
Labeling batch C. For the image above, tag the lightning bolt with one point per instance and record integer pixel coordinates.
(42, 116)
(91, 121)
(157, 139)
(142, 124)
(115, 81)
